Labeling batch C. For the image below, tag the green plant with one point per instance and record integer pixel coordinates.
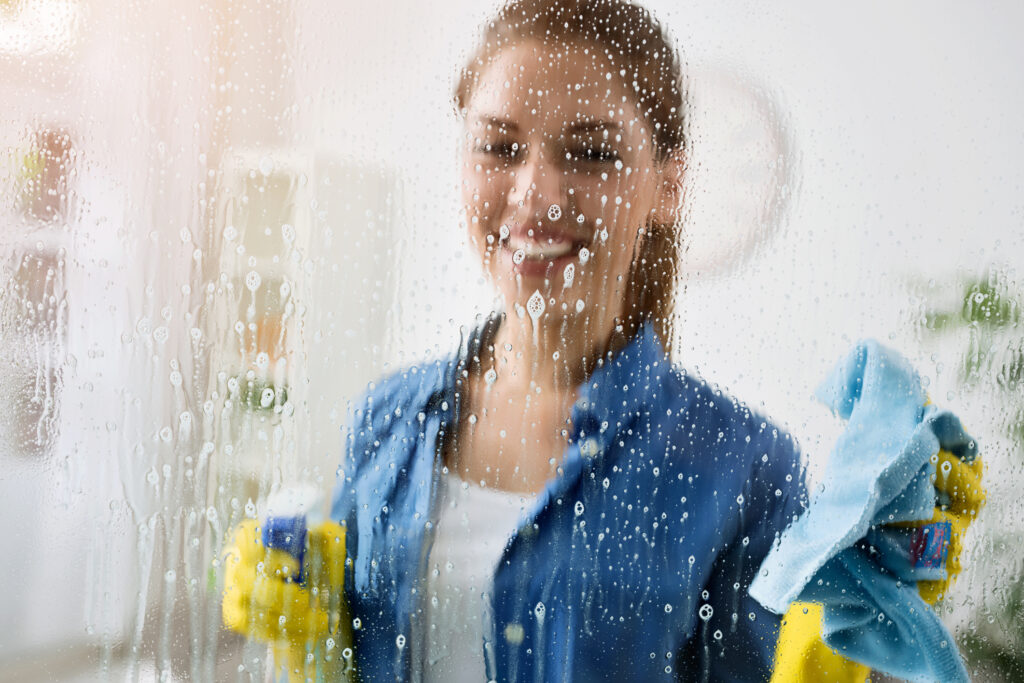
(985, 324)
(261, 395)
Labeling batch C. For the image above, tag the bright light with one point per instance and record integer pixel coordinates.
(35, 27)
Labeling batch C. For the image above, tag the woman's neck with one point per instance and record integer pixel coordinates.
(552, 355)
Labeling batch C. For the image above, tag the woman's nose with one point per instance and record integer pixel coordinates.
(538, 184)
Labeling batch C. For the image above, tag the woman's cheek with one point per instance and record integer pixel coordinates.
(484, 196)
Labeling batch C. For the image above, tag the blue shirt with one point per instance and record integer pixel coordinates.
(634, 562)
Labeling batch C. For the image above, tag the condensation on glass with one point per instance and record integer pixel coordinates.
(219, 221)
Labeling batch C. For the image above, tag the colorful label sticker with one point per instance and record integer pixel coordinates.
(929, 544)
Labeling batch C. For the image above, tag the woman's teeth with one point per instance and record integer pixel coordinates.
(539, 250)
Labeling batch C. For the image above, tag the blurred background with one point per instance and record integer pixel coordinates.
(220, 220)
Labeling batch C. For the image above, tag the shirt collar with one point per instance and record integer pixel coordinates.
(622, 383)
(614, 394)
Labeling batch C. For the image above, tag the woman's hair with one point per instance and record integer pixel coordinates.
(633, 41)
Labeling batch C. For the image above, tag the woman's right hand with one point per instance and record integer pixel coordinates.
(306, 623)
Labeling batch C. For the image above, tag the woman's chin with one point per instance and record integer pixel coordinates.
(543, 301)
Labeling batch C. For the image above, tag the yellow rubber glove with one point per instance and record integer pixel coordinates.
(961, 497)
(307, 624)
(802, 656)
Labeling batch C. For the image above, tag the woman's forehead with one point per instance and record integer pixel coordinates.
(537, 85)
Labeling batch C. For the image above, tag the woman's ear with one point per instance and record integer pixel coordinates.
(671, 190)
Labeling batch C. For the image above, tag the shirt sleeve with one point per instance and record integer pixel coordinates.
(735, 637)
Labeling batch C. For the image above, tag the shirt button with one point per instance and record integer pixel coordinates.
(514, 633)
(589, 448)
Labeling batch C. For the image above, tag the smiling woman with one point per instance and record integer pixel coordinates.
(558, 500)
(561, 183)
(575, 160)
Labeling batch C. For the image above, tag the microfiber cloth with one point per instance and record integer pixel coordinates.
(839, 554)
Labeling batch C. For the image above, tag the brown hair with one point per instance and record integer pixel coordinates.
(632, 40)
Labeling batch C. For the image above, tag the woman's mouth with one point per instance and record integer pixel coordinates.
(538, 250)
(538, 254)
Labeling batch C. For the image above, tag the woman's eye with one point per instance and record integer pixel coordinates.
(504, 150)
(592, 154)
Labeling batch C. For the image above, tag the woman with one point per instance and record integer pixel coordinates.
(557, 501)
(571, 179)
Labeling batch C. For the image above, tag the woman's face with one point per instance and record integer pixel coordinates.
(558, 178)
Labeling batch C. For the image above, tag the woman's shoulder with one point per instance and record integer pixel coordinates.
(709, 417)
(398, 391)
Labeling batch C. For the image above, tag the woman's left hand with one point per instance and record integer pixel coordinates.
(939, 540)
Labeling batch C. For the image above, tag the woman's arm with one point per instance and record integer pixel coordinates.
(802, 654)
(737, 639)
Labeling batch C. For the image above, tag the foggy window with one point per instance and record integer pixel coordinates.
(533, 312)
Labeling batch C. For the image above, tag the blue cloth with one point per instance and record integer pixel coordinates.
(839, 553)
(633, 563)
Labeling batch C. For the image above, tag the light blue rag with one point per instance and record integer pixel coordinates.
(839, 554)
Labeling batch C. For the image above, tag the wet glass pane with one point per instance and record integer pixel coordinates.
(474, 341)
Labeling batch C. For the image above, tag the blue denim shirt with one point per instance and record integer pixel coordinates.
(634, 561)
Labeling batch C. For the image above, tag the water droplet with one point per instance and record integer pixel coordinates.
(578, 508)
(517, 256)
(266, 165)
(253, 280)
(554, 212)
(705, 612)
(267, 398)
(535, 305)
(400, 641)
(569, 274)
(584, 255)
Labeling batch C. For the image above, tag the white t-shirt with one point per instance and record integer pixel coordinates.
(474, 524)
